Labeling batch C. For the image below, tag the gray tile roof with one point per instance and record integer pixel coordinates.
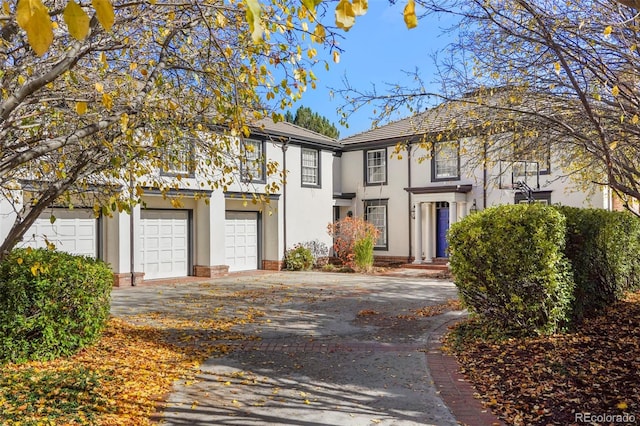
(296, 133)
(445, 117)
(486, 107)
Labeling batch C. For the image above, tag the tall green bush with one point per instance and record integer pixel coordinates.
(363, 253)
(509, 266)
(51, 303)
(604, 250)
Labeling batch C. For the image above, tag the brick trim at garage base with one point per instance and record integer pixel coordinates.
(272, 265)
(211, 271)
(124, 279)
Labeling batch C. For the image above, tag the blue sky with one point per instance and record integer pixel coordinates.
(376, 51)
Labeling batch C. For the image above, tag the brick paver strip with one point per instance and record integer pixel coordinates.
(455, 389)
(271, 346)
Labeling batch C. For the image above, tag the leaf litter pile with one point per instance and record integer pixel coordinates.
(124, 378)
(558, 379)
(425, 312)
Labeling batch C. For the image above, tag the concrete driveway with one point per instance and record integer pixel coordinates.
(333, 349)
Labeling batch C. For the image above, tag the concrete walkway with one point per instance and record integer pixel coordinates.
(334, 349)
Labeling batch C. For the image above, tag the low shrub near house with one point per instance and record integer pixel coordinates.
(51, 303)
(509, 266)
(604, 250)
(319, 252)
(350, 232)
(298, 258)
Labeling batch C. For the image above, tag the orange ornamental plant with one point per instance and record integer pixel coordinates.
(349, 233)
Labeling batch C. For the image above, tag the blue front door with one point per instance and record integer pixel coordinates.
(442, 226)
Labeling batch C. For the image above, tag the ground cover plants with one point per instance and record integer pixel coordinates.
(562, 378)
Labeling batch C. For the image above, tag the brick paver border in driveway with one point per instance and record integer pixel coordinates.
(454, 388)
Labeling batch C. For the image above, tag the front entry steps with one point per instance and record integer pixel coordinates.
(437, 264)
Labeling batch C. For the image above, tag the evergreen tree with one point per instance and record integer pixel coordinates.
(288, 117)
(312, 121)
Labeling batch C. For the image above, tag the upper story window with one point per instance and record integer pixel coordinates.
(446, 161)
(310, 167)
(376, 167)
(178, 157)
(253, 163)
(537, 151)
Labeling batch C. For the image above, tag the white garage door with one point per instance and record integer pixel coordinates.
(164, 243)
(73, 231)
(241, 241)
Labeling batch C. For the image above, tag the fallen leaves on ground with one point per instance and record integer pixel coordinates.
(557, 379)
(429, 311)
(122, 379)
(367, 312)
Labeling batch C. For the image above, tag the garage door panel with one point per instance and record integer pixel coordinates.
(241, 240)
(74, 231)
(165, 243)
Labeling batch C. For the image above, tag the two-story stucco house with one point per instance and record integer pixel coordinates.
(414, 177)
(215, 233)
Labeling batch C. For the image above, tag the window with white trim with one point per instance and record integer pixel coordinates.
(537, 150)
(375, 212)
(446, 161)
(253, 163)
(376, 167)
(179, 157)
(310, 167)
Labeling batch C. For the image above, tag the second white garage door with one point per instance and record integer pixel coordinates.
(241, 241)
(164, 243)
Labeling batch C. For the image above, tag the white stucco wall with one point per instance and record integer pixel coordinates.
(309, 209)
(7, 215)
(563, 189)
(353, 178)
(401, 228)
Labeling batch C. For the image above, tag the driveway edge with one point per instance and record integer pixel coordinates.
(454, 388)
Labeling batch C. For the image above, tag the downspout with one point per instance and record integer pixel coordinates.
(285, 145)
(484, 175)
(131, 230)
(409, 200)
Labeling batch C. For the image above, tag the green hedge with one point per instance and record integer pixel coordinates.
(604, 250)
(51, 303)
(509, 267)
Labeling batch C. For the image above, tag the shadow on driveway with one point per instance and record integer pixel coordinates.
(332, 349)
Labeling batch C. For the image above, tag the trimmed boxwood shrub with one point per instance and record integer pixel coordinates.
(509, 266)
(51, 303)
(604, 250)
(298, 258)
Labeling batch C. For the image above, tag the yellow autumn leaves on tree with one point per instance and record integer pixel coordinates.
(346, 12)
(33, 17)
(410, 18)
